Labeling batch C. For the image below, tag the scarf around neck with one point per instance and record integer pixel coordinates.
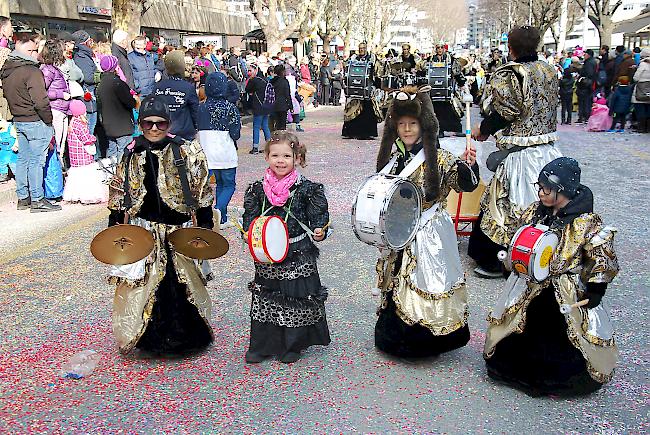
(277, 190)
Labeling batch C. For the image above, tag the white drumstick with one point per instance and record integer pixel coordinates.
(566, 308)
(467, 99)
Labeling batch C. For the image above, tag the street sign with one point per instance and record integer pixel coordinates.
(504, 37)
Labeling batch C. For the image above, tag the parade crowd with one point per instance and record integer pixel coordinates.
(162, 121)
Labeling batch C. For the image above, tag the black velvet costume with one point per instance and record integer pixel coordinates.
(174, 325)
(288, 299)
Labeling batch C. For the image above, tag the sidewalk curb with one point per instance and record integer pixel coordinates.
(8, 194)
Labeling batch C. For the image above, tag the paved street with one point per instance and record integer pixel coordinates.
(55, 302)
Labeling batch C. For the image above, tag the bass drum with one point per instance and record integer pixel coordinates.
(386, 211)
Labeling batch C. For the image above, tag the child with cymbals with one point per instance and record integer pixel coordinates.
(288, 299)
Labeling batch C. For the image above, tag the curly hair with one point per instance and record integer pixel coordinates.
(284, 136)
(524, 40)
(52, 53)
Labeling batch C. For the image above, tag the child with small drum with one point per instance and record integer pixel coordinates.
(288, 299)
(554, 336)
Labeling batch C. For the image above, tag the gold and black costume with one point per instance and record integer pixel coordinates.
(449, 113)
(165, 308)
(423, 309)
(361, 116)
(519, 106)
(529, 343)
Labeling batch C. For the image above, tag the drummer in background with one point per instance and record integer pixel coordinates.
(288, 299)
(529, 344)
(408, 59)
(448, 117)
(519, 106)
(166, 310)
(423, 309)
(361, 116)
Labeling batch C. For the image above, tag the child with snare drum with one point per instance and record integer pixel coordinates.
(423, 310)
(540, 338)
(288, 299)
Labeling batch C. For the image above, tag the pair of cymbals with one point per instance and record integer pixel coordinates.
(126, 244)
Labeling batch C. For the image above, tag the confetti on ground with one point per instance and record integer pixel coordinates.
(55, 303)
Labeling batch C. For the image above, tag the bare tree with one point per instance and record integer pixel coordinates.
(336, 20)
(127, 15)
(4, 8)
(442, 18)
(600, 14)
(278, 19)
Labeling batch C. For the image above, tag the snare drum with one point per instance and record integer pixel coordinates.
(389, 82)
(530, 252)
(268, 239)
(386, 211)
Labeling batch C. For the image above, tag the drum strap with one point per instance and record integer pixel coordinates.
(181, 166)
(286, 217)
(409, 169)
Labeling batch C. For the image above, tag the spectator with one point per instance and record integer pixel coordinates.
(566, 96)
(337, 85)
(70, 70)
(234, 65)
(198, 76)
(619, 104)
(6, 32)
(641, 97)
(627, 67)
(24, 88)
(5, 114)
(282, 98)
(83, 57)
(325, 75)
(637, 55)
(600, 119)
(204, 61)
(305, 75)
(118, 49)
(585, 86)
(215, 57)
(143, 66)
(219, 128)
(58, 90)
(84, 183)
(293, 75)
(180, 96)
(257, 89)
(232, 94)
(116, 108)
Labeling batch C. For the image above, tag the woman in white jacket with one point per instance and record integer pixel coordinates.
(641, 94)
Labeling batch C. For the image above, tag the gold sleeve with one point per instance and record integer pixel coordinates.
(116, 188)
(199, 174)
(601, 263)
(506, 93)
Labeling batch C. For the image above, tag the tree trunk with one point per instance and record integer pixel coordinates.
(327, 40)
(346, 42)
(127, 15)
(4, 8)
(605, 31)
(273, 46)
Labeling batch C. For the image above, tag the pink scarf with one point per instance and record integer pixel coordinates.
(277, 190)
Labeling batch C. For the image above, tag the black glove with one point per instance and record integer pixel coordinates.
(595, 293)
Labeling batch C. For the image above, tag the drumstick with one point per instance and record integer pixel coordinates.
(467, 98)
(566, 308)
(239, 227)
(326, 225)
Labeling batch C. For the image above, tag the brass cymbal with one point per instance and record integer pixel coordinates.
(199, 243)
(122, 244)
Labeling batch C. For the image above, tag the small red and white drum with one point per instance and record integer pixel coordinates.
(531, 250)
(268, 239)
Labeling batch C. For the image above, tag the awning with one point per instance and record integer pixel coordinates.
(258, 35)
(633, 25)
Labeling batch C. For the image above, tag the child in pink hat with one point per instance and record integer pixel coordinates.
(85, 179)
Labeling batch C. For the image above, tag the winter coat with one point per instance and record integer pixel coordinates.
(566, 85)
(116, 105)
(282, 94)
(71, 72)
(325, 75)
(621, 100)
(183, 102)
(56, 85)
(123, 62)
(144, 72)
(24, 89)
(232, 94)
(219, 124)
(626, 68)
(337, 80)
(256, 88)
(587, 74)
(83, 57)
(305, 74)
(642, 74)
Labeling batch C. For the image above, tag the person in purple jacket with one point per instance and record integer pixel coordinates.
(58, 90)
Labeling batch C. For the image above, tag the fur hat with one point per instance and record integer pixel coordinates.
(175, 63)
(411, 101)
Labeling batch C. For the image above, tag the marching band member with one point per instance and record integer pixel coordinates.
(407, 58)
(423, 309)
(448, 115)
(167, 309)
(529, 343)
(361, 116)
(288, 299)
(519, 106)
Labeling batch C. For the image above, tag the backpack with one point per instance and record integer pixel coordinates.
(269, 98)
(601, 79)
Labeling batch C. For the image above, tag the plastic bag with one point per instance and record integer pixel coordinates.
(81, 364)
